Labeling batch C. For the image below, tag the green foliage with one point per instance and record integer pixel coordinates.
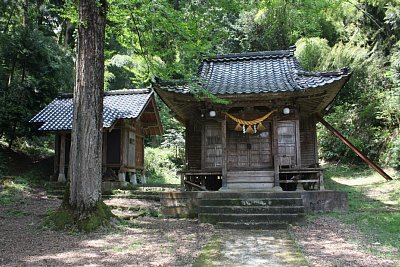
(160, 165)
(33, 67)
(366, 109)
(168, 39)
(312, 52)
(163, 39)
(272, 25)
(37, 147)
(12, 189)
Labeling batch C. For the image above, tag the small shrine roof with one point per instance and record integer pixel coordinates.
(118, 104)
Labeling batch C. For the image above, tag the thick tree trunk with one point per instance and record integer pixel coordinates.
(86, 148)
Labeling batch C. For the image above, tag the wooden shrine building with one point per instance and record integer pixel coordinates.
(251, 121)
(128, 116)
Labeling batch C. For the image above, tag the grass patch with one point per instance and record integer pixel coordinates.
(136, 244)
(293, 257)
(133, 245)
(374, 206)
(211, 255)
(14, 213)
(12, 189)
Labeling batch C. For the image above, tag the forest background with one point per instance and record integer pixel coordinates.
(169, 38)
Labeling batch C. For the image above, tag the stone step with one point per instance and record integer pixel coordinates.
(158, 186)
(249, 186)
(215, 218)
(247, 195)
(252, 209)
(147, 197)
(252, 202)
(252, 226)
(126, 215)
(134, 192)
(124, 207)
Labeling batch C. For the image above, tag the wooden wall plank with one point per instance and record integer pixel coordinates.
(193, 146)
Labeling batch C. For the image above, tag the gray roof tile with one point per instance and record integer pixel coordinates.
(258, 72)
(121, 104)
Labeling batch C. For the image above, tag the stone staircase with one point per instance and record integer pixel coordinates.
(146, 192)
(124, 204)
(252, 210)
(133, 194)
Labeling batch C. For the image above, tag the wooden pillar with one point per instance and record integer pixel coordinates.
(61, 171)
(321, 180)
(297, 135)
(104, 158)
(224, 153)
(123, 156)
(183, 181)
(275, 151)
(124, 147)
(56, 157)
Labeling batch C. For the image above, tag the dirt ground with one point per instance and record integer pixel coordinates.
(145, 242)
(149, 241)
(328, 242)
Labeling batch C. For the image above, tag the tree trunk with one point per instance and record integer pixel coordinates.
(66, 35)
(11, 76)
(86, 148)
(12, 137)
(25, 16)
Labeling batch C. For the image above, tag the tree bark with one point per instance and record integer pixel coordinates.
(25, 16)
(86, 148)
(12, 137)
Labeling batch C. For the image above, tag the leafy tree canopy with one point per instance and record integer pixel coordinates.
(169, 38)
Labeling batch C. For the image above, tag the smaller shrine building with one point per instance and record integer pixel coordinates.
(128, 116)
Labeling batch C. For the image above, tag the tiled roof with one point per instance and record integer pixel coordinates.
(121, 104)
(258, 72)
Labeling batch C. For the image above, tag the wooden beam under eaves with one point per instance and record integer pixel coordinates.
(352, 147)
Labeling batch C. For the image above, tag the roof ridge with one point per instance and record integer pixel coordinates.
(128, 91)
(253, 55)
(114, 92)
(342, 71)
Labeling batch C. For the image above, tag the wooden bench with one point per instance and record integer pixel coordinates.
(298, 179)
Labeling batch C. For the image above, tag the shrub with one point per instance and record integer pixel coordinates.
(160, 165)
